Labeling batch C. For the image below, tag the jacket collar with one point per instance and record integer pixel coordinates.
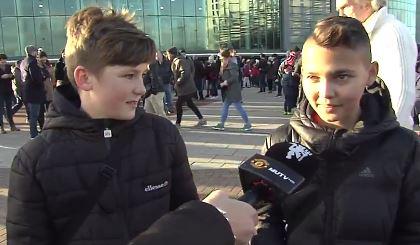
(375, 20)
(65, 113)
(377, 117)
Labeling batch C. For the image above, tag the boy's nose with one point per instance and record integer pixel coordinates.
(326, 89)
(140, 89)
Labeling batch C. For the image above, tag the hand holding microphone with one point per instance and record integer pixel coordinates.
(241, 216)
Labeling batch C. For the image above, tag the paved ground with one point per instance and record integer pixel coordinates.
(213, 155)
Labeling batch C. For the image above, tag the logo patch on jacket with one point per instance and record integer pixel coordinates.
(150, 188)
(367, 173)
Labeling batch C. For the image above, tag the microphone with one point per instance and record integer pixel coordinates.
(284, 168)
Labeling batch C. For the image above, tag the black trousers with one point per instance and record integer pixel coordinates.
(180, 102)
(270, 84)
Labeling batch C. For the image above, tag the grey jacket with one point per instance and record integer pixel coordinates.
(233, 90)
(183, 76)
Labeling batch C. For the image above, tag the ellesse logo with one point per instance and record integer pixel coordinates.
(259, 163)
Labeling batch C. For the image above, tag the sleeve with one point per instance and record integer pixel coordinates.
(59, 71)
(35, 73)
(183, 187)
(201, 224)
(233, 75)
(27, 221)
(271, 227)
(407, 226)
(397, 69)
(182, 70)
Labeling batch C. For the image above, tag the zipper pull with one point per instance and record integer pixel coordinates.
(107, 133)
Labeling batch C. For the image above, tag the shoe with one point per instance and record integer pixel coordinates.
(14, 128)
(2, 131)
(285, 113)
(178, 125)
(219, 126)
(201, 122)
(247, 127)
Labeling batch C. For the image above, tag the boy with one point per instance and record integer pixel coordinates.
(94, 132)
(102, 171)
(367, 188)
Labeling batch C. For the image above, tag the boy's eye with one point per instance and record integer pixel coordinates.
(343, 76)
(313, 78)
(129, 76)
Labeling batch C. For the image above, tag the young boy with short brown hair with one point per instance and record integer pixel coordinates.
(102, 170)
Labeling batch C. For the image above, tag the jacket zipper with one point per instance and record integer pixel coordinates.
(329, 200)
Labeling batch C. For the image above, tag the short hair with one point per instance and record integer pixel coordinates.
(341, 31)
(225, 53)
(172, 50)
(42, 54)
(100, 37)
(3, 57)
(376, 4)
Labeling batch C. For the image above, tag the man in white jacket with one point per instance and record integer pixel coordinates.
(393, 48)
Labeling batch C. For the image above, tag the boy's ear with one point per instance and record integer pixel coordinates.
(81, 77)
(373, 73)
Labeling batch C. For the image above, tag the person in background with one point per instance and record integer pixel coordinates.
(6, 94)
(166, 75)
(263, 68)
(246, 70)
(198, 77)
(34, 91)
(184, 85)
(229, 76)
(46, 71)
(155, 91)
(18, 88)
(60, 71)
(393, 47)
(212, 75)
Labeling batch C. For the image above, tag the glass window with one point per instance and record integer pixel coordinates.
(164, 7)
(200, 8)
(190, 33)
(165, 32)
(59, 33)
(57, 7)
(26, 31)
(8, 8)
(72, 6)
(150, 7)
(177, 7)
(87, 3)
(119, 4)
(151, 27)
(10, 36)
(24, 8)
(41, 7)
(43, 33)
(178, 32)
(105, 3)
(189, 8)
(202, 34)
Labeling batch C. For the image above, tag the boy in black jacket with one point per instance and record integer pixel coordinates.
(102, 170)
(367, 187)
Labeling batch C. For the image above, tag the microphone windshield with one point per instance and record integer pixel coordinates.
(295, 156)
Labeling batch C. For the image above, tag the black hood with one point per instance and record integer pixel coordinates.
(377, 117)
(65, 113)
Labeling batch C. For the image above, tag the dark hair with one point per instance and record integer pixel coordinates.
(42, 54)
(225, 53)
(172, 50)
(339, 31)
(3, 57)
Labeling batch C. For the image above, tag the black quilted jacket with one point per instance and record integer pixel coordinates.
(51, 175)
